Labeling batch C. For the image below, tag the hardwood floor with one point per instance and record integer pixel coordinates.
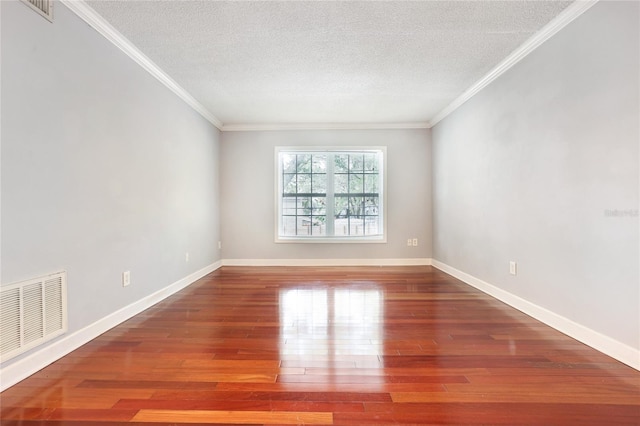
(341, 346)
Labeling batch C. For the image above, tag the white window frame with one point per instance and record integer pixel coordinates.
(331, 239)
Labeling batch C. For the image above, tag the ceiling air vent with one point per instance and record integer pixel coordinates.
(43, 7)
(31, 313)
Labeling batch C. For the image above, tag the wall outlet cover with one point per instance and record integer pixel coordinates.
(126, 278)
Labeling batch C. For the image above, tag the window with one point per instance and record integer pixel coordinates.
(330, 195)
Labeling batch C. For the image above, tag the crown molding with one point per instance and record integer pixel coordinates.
(322, 126)
(91, 17)
(565, 17)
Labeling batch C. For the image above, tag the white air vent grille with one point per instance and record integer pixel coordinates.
(43, 7)
(31, 313)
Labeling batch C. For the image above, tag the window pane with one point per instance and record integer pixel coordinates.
(356, 184)
(289, 225)
(319, 229)
(304, 163)
(370, 162)
(289, 206)
(341, 163)
(341, 207)
(341, 227)
(289, 184)
(319, 211)
(304, 206)
(304, 225)
(304, 183)
(318, 226)
(356, 206)
(319, 163)
(289, 163)
(319, 184)
(319, 206)
(340, 184)
(371, 206)
(356, 226)
(371, 183)
(371, 225)
(356, 163)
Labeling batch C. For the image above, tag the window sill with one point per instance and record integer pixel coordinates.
(379, 239)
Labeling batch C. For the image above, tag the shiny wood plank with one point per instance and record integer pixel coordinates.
(500, 413)
(235, 417)
(539, 394)
(89, 415)
(329, 345)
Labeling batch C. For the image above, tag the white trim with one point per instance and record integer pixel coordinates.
(322, 126)
(596, 340)
(565, 17)
(91, 17)
(23, 368)
(330, 239)
(377, 239)
(327, 262)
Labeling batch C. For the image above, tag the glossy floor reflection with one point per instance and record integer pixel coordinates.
(363, 346)
(331, 321)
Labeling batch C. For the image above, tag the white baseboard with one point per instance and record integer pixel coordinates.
(23, 368)
(596, 340)
(326, 262)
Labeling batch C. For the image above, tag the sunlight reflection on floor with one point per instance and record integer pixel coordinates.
(331, 321)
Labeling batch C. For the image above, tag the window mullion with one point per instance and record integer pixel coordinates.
(311, 196)
(330, 200)
(297, 198)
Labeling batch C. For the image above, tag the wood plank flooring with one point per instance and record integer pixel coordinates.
(331, 346)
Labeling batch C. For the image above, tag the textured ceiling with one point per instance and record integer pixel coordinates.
(288, 62)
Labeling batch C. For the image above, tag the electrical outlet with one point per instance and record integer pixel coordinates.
(409, 242)
(415, 242)
(186, 257)
(513, 268)
(219, 245)
(126, 278)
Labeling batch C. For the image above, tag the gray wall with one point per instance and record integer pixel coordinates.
(103, 168)
(530, 168)
(248, 195)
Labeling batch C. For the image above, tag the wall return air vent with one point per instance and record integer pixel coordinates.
(31, 313)
(42, 7)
